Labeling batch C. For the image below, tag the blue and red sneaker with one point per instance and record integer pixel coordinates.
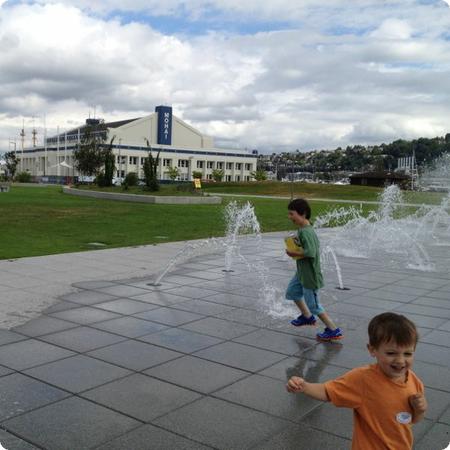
(302, 321)
(330, 335)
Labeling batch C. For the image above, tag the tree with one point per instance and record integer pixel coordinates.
(173, 173)
(110, 166)
(259, 175)
(150, 170)
(12, 162)
(217, 175)
(197, 174)
(90, 155)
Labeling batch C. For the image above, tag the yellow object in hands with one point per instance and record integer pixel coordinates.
(292, 246)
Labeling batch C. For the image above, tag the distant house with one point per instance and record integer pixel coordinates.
(380, 179)
(2, 167)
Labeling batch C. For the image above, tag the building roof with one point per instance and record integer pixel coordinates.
(119, 123)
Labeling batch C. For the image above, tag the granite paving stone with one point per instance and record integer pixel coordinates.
(126, 306)
(43, 325)
(120, 290)
(160, 298)
(221, 424)
(82, 339)
(25, 354)
(9, 441)
(206, 308)
(191, 292)
(142, 397)
(429, 301)
(169, 316)
(73, 423)
(5, 371)
(277, 342)
(130, 327)
(8, 337)
(78, 373)
(219, 328)
(134, 355)
(314, 371)
(20, 393)
(196, 374)
(61, 306)
(181, 340)
(240, 356)
(87, 297)
(268, 395)
(85, 315)
(148, 435)
(438, 437)
(300, 437)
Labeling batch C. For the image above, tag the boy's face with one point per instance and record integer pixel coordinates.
(394, 360)
(296, 218)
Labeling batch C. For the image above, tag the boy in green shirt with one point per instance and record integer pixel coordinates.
(304, 287)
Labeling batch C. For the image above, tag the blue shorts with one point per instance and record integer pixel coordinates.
(295, 291)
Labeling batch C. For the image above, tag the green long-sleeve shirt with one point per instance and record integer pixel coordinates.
(308, 268)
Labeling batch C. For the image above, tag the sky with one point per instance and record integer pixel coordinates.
(272, 75)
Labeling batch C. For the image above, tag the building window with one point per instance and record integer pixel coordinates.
(167, 162)
(229, 166)
(143, 161)
(183, 163)
(123, 158)
(219, 165)
(121, 174)
(248, 166)
(228, 177)
(133, 160)
(209, 176)
(247, 178)
(199, 164)
(238, 166)
(237, 178)
(210, 165)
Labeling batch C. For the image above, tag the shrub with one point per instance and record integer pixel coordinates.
(131, 179)
(23, 177)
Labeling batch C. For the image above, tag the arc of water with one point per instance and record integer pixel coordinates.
(329, 250)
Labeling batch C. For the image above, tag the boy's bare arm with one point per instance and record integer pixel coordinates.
(419, 406)
(314, 390)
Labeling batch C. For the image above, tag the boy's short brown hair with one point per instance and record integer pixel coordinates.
(388, 327)
(301, 206)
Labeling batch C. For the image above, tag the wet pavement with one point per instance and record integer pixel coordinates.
(199, 363)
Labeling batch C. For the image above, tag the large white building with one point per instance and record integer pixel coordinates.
(180, 146)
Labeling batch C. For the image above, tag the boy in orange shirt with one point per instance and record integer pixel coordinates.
(386, 397)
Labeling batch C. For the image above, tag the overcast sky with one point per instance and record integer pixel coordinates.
(275, 75)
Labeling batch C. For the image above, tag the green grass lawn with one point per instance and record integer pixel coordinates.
(276, 188)
(42, 220)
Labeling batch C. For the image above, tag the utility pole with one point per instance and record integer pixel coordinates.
(292, 180)
(22, 137)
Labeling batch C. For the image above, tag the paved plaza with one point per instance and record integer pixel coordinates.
(199, 362)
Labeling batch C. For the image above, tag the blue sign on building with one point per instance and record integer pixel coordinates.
(164, 124)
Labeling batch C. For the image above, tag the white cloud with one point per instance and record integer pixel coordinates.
(344, 73)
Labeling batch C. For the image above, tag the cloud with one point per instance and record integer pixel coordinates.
(308, 76)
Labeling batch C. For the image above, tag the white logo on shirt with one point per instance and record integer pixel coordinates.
(403, 417)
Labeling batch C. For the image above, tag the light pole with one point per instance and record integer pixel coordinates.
(292, 179)
(120, 161)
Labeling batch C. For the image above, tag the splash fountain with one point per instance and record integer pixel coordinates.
(240, 220)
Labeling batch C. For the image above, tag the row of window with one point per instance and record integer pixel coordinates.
(185, 163)
(184, 177)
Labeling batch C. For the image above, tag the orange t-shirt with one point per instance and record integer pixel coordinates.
(381, 411)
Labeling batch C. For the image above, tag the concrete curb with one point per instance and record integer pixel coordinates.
(171, 200)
